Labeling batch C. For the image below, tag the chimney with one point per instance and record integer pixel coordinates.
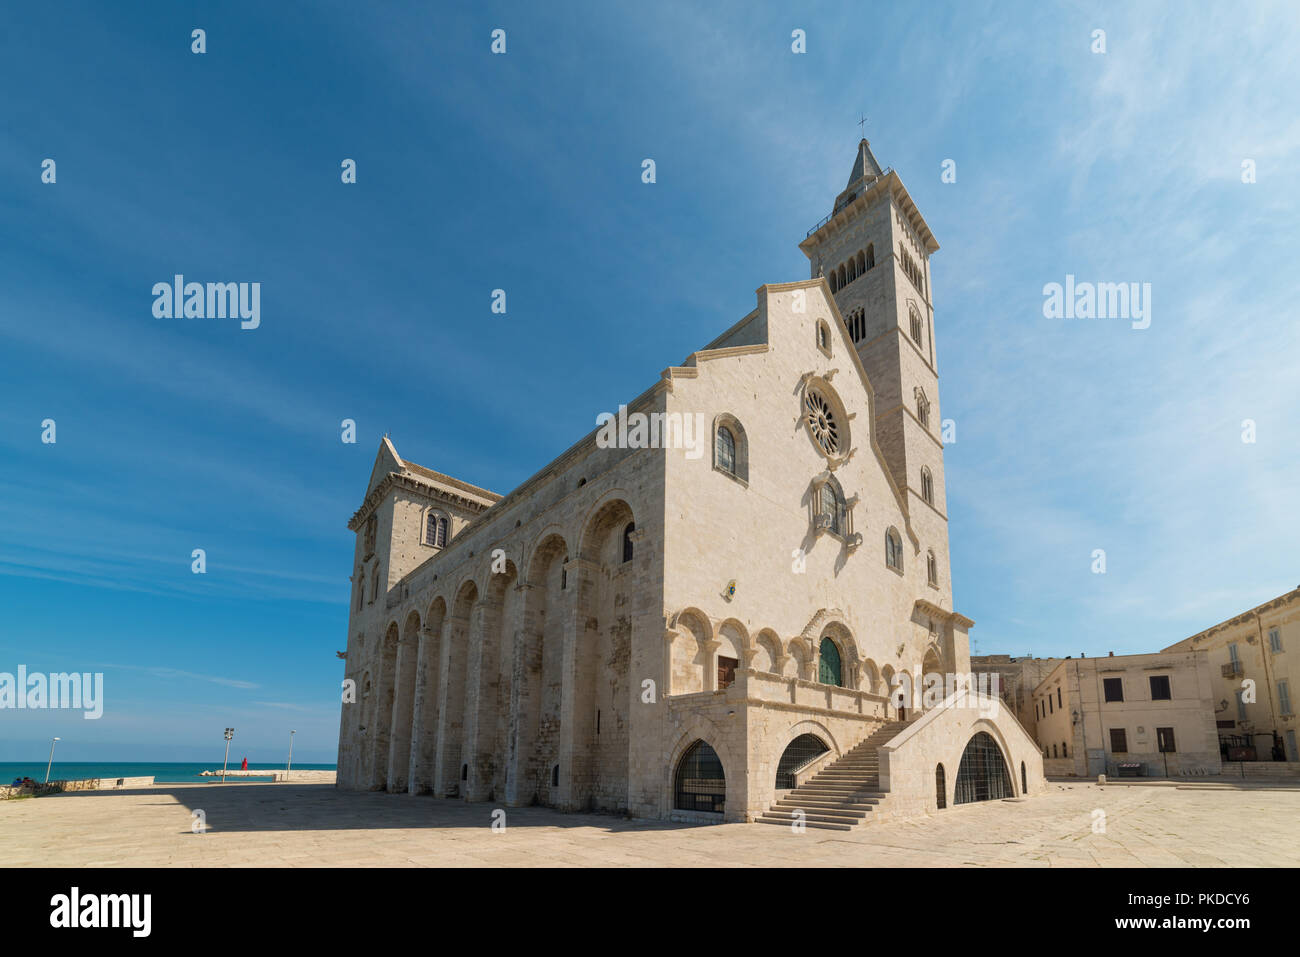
(1111, 653)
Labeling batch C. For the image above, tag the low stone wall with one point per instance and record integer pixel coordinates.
(84, 784)
(1059, 767)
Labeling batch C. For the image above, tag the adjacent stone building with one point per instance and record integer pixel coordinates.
(722, 610)
(1148, 715)
(1016, 680)
(1255, 668)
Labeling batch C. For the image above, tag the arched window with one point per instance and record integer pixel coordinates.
(361, 588)
(823, 337)
(374, 583)
(724, 450)
(435, 529)
(843, 280)
(829, 671)
(916, 326)
(1024, 781)
(1053, 750)
(700, 784)
(853, 269)
(797, 753)
(922, 408)
(931, 568)
(830, 508)
(627, 541)
(927, 485)
(730, 447)
(834, 281)
(862, 262)
(940, 788)
(1064, 751)
(982, 775)
(871, 255)
(893, 550)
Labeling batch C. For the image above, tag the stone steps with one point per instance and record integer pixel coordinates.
(841, 795)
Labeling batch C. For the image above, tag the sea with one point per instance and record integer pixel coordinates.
(164, 772)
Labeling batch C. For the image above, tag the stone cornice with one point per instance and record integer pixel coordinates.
(1237, 621)
(410, 483)
(943, 614)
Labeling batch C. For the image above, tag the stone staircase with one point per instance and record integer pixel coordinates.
(842, 794)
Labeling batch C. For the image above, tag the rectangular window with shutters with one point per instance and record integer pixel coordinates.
(1118, 741)
(1274, 640)
(1114, 688)
(1284, 697)
(726, 671)
(1165, 740)
(1160, 688)
(1232, 654)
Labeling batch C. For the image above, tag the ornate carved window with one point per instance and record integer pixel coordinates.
(915, 321)
(821, 419)
(931, 569)
(927, 485)
(922, 407)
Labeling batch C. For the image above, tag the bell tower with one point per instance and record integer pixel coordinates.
(874, 251)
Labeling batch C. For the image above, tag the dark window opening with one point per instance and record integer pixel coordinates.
(1024, 780)
(1165, 740)
(555, 776)
(797, 753)
(1118, 741)
(1160, 688)
(727, 671)
(464, 772)
(700, 784)
(1114, 688)
(1058, 697)
(627, 541)
(982, 775)
(940, 789)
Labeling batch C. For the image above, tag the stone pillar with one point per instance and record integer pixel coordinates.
(575, 721)
(399, 749)
(480, 698)
(424, 720)
(525, 696)
(446, 777)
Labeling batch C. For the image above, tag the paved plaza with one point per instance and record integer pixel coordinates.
(318, 826)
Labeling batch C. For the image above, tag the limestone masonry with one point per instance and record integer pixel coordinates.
(740, 635)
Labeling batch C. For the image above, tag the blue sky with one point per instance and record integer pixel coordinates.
(522, 172)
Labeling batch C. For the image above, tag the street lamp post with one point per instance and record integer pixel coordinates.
(289, 767)
(51, 764)
(230, 733)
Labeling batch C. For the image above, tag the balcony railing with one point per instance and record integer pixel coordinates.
(1232, 669)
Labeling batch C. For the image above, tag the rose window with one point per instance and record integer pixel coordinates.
(821, 422)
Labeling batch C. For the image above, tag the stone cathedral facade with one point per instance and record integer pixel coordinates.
(739, 630)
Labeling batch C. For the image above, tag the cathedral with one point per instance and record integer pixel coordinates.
(761, 629)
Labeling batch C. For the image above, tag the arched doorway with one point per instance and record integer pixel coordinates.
(797, 753)
(829, 669)
(982, 775)
(700, 784)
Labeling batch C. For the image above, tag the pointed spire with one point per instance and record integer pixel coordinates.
(864, 164)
